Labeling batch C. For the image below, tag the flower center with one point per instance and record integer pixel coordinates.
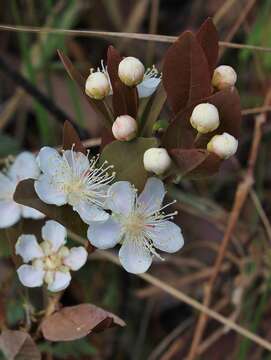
(134, 224)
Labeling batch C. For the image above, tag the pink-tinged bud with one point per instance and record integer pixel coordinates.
(131, 71)
(97, 85)
(224, 145)
(205, 118)
(124, 128)
(224, 76)
(156, 160)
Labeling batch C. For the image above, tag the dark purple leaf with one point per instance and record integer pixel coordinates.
(71, 138)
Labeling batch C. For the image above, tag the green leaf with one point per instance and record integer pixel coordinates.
(127, 158)
(8, 145)
(62, 350)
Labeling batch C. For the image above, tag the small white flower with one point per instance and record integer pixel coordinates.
(131, 71)
(124, 128)
(50, 261)
(224, 76)
(74, 179)
(205, 118)
(224, 145)
(138, 223)
(156, 160)
(24, 167)
(97, 85)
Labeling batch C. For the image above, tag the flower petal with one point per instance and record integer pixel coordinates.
(10, 213)
(151, 198)
(30, 276)
(134, 257)
(61, 281)
(48, 191)
(77, 161)
(50, 161)
(30, 213)
(89, 212)
(104, 235)
(167, 237)
(55, 233)
(7, 187)
(76, 258)
(121, 197)
(24, 167)
(28, 248)
(148, 87)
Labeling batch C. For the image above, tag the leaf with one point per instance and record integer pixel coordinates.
(125, 98)
(180, 133)
(25, 195)
(75, 322)
(71, 138)
(97, 105)
(207, 37)
(8, 145)
(18, 345)
(185, 72)
(127, 158)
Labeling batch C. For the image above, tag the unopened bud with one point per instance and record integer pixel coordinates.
(124, 128)
(97, 85)
(224, 76)
(156, 160)
(131, 71)
(224, 145)
(205, 118)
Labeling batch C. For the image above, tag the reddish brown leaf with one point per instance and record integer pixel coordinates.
(188, 159)
(71, 138)
(207, 36)
(18, 345)
(125, 98)
(185, 72)
(107, 138)
(97, 105)
(75, 322)
(208, 167)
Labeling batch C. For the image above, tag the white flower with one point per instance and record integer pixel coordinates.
(138, 223)
(224, 76)
(74, 179)
(131, 71)
(97, 85)
(205, 118)
(224, 145)
(124, 128)
(156, 160)
(24, 167)
(51, 261)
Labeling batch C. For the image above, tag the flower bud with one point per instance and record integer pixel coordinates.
(224, 145)
(97, 85)
(205, 118)
(156, 160)
(124, 128)
(224, 76)
(131, 71)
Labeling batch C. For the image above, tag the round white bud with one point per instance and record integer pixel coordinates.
(205, 118)
(97, 85)
(131, 71)
(124, 128)
(224, 145)
(156, 160)
(224, 76)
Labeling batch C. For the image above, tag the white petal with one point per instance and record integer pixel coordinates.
(50, 161)
(30, 276)
(24, 167)
(167, 237)
(134, 257)
(28, 248)
(77, 161)
(30, 213)
(89, 212)
(61, 281)
(10, 213)
(76, 258)
(148, 87)
(55, 233)
(104, 235)
(151, 198)
(49, 192)
(7, 187)
(121, 197)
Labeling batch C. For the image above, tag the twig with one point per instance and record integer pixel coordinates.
(261, 213)
(256, 110)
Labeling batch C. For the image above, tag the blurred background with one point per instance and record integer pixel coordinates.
(158, 326)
